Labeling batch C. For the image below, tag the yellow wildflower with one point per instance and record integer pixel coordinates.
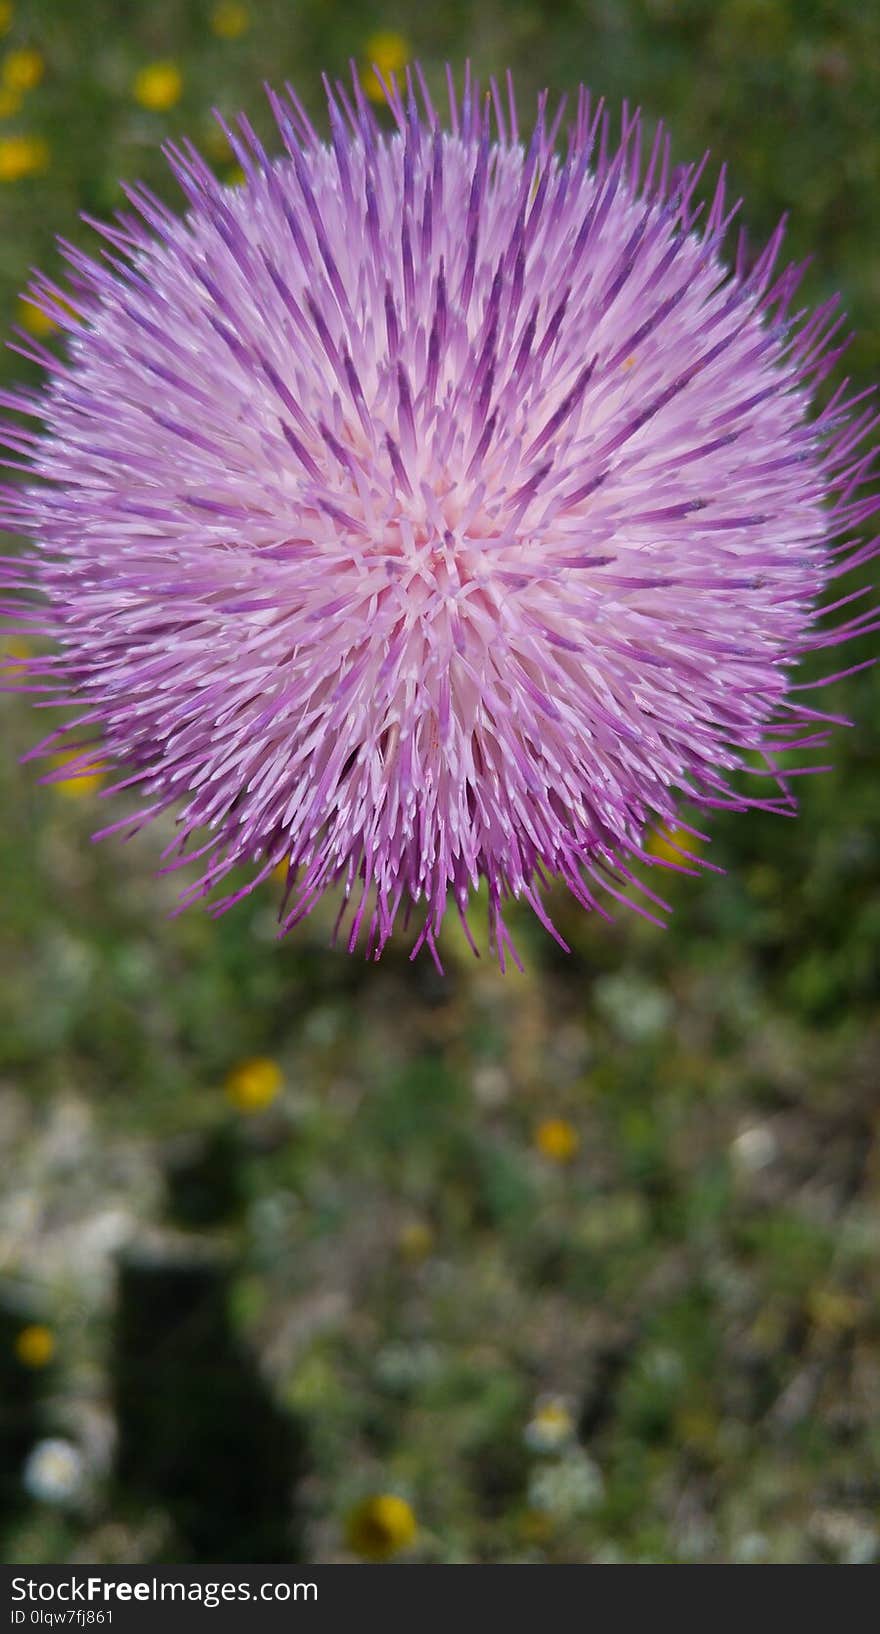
(14, 654)
(22, 156)
(10, 102)
(21, 70)
(557, 1139)
(235, 176)
(389, 53)
(415, 1241)
(381, 1526)
(229, 20)
(158, 86)
(253, 1085)
(32, 317)
(35, 1345)
(35, 320)
(662, 845)
(80, 782)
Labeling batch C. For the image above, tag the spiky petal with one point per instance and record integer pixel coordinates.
(436, 507)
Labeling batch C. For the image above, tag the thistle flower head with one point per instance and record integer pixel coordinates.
(442, 505)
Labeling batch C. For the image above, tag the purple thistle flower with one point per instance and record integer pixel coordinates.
(438, 506)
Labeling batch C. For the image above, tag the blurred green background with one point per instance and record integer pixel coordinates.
(302, 1258)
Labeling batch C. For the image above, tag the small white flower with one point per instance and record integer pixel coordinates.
(53, 1471)
(754, 1148)
(637, 1010)
(566, 1489)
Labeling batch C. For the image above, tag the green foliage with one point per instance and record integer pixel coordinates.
(396, 1274)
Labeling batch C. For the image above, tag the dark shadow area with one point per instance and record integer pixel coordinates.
(198, 1431)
